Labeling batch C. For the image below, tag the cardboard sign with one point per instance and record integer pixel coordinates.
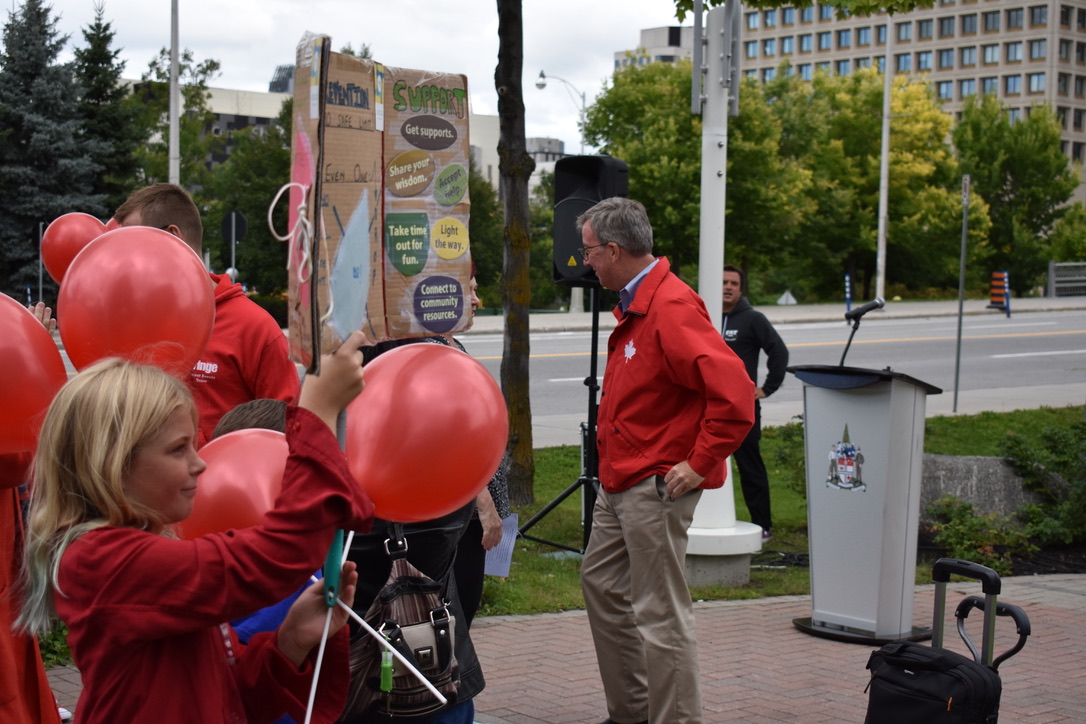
(382, 154)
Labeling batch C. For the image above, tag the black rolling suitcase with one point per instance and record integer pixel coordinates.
(912, 683)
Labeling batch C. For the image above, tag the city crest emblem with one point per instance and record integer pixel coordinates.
(846, 462)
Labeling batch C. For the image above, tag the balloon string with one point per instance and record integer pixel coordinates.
(324, 637)
(301, 234)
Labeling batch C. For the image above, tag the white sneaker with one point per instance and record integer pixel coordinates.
(65, 715)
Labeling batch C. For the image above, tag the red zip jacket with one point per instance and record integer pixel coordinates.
(672, 389)
(145, 612)
(245, 359)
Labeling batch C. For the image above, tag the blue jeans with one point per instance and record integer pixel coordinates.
(462, 713)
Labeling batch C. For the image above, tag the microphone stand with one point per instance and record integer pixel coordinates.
(855, 326)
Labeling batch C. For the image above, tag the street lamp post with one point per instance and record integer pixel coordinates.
(541, 83)
(576, 294)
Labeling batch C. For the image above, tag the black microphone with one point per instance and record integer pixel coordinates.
(854, 314)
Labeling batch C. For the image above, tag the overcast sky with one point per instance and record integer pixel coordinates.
(571, 39)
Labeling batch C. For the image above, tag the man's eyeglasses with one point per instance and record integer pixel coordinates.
(583, 250)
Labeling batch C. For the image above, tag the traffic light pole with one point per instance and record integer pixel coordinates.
(589, 480)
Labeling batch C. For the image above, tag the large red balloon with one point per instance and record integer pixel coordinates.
(33, 371)
(65, 238)
(427, 433)
(244, 476)
(138, 293)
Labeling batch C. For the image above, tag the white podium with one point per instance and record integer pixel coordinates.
(864, 443)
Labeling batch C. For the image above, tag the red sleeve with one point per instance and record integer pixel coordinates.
(140, 586)
(270, 685)
(701, 360)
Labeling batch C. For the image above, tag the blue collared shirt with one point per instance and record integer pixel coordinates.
(627, 293)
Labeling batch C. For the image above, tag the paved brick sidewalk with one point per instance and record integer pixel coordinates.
(757, 667)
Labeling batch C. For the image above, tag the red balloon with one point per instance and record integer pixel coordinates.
(427, 433)
(33, 372)
(65, 238)
(243, 478)
(112, 224)
(138, 293)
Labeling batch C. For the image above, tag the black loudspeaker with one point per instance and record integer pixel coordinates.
(580, 182)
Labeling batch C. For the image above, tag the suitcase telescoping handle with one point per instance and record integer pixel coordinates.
(1021, 622)
(990, 585)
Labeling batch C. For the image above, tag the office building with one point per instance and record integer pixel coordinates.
(1025, 53)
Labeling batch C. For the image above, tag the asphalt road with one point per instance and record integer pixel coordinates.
(1029, 360)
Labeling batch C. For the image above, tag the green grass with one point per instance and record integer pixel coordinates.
(541, 581)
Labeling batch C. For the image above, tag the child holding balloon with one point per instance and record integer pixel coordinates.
(117, 466)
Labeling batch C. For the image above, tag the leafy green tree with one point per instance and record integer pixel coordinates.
(767, 192)
(643, 117)
(106, 113)
(485, 232)
(1018, 168)
(247, 181)
(46, 161)
(196, 118)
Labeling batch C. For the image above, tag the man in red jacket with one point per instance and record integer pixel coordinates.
(676, 402)
(246, 357)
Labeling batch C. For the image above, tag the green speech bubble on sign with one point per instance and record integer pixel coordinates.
(407, 237)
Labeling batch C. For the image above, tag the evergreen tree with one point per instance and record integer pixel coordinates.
(106, 112)
(47, 165)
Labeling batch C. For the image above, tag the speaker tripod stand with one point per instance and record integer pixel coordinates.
(589, 479)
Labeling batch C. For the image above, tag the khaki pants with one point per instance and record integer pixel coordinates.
(639, 605)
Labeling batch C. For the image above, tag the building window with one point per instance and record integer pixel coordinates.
(789, 71)
(991, 21)
(1014, 52)
(863, 62)
(945, 89)
(1080, 19)
(844, 38)
(1038, 15)
(843, 67)
(880, 35)
(769, 47)
(824, 67)
(991, 53)
(989, 86)
(1012, 84)
(946, 27)
(1065, 50)
(825, 12)
(751, 48)
(969, 24)
(770, 18)
(1076, 151)
(1063, 83)
(750, 73)
(806, 14)
(788, 16)
(752, 21)
(1076, 121)
(1015, 18)
(805, 45)
(1038, 49)
(904, 31)
(946, 58)
(969, 56)
(880, 63)
(805, 71)
(1013, 114)
(1065, 16)
(825, 41)
(1036, 82)
(903, 62)
(863, 36)
(966, 88)
(768, 74)
(788, 45)
(923, 60)
(1080, 86)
